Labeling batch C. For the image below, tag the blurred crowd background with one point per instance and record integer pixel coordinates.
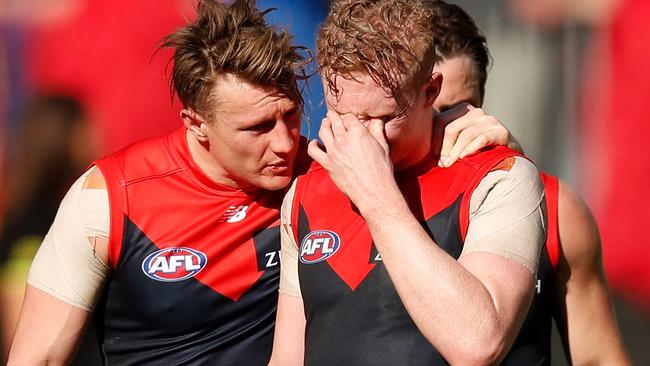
(570, 78)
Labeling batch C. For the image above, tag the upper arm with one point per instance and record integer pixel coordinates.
(289, 338)
(66, 276)
(507, 214)
(505, 234)
(289, 282)
(48, 332)
(584, 311)
(71, 263)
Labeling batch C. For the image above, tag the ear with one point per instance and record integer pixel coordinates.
(432, 88)
(194, 124)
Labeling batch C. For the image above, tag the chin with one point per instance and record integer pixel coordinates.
(274, 183)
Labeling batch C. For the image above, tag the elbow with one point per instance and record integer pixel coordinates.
(481, 353)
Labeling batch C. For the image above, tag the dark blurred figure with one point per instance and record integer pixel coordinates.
(52, 145)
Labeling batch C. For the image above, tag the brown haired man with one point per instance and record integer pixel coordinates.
(572, 288)
(173, 241)
(387, 258)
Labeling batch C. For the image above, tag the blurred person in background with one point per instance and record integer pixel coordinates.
(572, 288)
(53, 145)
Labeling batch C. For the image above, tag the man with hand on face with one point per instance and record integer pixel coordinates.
(571, 284)
(388, 259)
(173, 242)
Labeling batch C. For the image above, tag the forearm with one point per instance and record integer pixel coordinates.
(589, 326)
(448, 303)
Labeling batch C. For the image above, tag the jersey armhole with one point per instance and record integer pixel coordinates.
(116, 203)
(551, 188)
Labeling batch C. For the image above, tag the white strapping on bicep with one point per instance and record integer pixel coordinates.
(507, 215)
(289, 280)
(66, 265)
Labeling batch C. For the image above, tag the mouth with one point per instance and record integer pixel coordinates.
(279, 168)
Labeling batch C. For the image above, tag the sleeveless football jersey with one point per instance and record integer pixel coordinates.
(195, 265)
(354, 314)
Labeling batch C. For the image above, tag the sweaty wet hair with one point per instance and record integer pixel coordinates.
(389, 40)
(231, 39)
(458, 35)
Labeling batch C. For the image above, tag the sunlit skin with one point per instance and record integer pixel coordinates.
(251, 139)
(409, 136)
(459, 83)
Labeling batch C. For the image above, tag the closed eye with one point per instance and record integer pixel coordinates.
(262, 127)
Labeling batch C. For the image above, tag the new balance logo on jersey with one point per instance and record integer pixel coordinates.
(319, 245)
(235, 213)
(174, 264)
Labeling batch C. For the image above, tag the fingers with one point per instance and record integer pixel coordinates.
(338, 129)
(453, 130)
(325, 132)
(316, 152)
(469, 134)
(376, 129)
(465, 139)
(478, 143)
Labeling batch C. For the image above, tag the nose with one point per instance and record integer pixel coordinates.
(283, 138)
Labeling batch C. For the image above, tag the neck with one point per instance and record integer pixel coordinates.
(208, 165)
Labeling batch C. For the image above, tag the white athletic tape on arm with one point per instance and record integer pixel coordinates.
(66, 265)
(507, 215)
(289, 280)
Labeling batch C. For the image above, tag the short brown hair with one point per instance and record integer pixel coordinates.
(458, 35)
(231, 39)
(389, 40)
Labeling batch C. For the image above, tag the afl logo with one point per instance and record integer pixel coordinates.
(319, 245)
(174, 264)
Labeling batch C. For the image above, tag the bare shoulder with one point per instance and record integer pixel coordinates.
(579, 236)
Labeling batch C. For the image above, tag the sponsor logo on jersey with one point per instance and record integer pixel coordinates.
(235, 213)
(319, 245)
(174, 264)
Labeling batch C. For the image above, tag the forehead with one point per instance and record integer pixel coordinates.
(235, 97)
(360, 96)
(457, 70)
(459, 82)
